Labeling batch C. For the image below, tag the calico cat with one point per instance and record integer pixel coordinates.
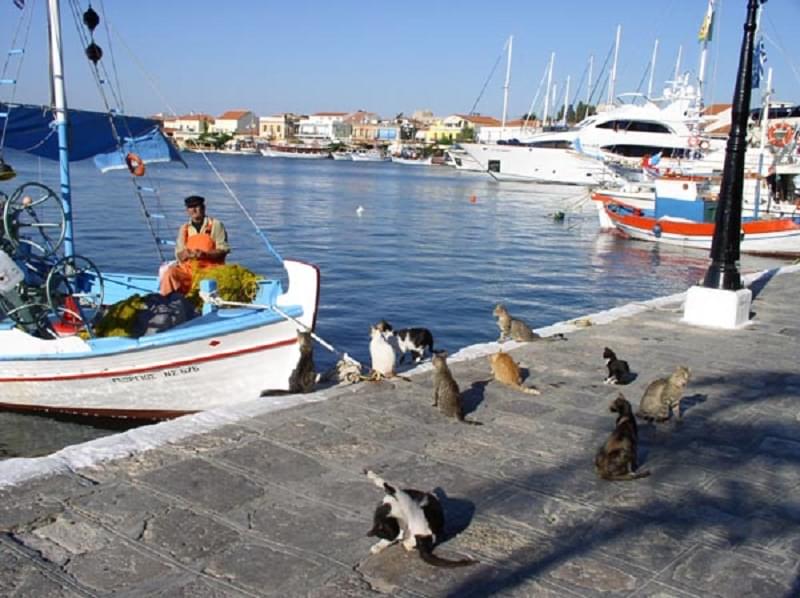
(618, 370)
(506, 371)
(414, 517)
(409, 340)
(512, 328)
(446, 394)
(303, 378)
(382, 350)
(664, 395)
(617, 459)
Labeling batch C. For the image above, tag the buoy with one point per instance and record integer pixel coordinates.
(473, 199)
(360, 210)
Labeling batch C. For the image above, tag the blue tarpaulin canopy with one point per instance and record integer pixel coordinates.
(31, 129)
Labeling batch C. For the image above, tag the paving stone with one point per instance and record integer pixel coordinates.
(197, 481)
(115, 568)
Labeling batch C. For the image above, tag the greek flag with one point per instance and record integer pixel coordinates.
(759, 60)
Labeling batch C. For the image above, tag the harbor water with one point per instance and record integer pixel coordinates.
(414, 245)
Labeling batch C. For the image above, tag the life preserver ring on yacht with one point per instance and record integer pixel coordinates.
(135, 164)
(694, 141)
(704, 144)
(780, 134)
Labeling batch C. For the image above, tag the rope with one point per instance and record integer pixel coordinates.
(489, 78)
(214, 299)
(244, 211)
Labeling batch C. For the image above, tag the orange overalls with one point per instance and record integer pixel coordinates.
(178, 277)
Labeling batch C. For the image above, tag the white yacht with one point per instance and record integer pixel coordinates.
(633, 129)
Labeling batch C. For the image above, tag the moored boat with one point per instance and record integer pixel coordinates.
(51, 358)
(296, 151)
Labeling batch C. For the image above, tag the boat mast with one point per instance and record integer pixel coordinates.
(678, 64)
(566, 103)
(60, 107)
(589, 85)
(762, 142)
(612, 88)
(508, 78)
(652, 70)
(547, 89)
(705, 36)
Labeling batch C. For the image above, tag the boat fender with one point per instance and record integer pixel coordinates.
(657, 230)
(780, 134)
(135, 164)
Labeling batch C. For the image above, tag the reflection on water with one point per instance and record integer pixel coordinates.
(432, 247)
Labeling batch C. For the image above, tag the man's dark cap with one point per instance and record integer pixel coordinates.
(194, 200)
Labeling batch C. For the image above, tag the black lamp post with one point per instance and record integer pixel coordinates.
(723, 273)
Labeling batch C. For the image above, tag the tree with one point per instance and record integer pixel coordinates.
(467, 133)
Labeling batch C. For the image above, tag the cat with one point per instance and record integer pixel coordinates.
(618, 370)
(506, 371)
(410, 340)
(414, 341)
(382, 350)
(512, 328)
(412, 517)
(617, 459)
(446, 394)
(664, 395)
(304, 377)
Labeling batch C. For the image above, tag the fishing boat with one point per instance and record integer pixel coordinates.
(296, 151)
(370, 155)
(51, 360)
(688, 220)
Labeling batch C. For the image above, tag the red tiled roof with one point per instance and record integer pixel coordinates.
(713, 109)
(234, 114)
(330, 114)
(194, 117)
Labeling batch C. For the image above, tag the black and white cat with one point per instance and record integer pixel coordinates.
(412, 517)
(618, 370)
(410, 340)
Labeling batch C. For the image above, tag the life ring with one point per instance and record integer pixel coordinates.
(694, 141)
(780, 134)
(704, 144)
(135, 164)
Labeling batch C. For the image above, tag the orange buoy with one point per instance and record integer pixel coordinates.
(473, 199)
(135, 164)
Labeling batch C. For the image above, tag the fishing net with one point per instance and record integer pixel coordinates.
(234, 283)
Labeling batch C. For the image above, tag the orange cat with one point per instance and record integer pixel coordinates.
(506, 371)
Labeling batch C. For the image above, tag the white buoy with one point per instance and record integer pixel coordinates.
(360, 210)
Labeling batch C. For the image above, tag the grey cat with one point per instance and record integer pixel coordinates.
(664, 395)
(446, 394)
(304, 377)
(512, 328)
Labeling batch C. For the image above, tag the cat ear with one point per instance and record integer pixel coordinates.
(389, 489)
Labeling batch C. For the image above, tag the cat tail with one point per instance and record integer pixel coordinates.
(629, 476)
(379, 481)
(471, 422)
(425, 549)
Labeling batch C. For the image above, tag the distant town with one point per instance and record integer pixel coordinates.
(243, 129)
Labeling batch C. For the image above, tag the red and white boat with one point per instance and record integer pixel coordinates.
(689, 222)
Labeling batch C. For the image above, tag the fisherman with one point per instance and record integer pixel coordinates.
(202, 243)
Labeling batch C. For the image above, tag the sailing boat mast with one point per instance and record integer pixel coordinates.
(652, 70)
(678, 64)
(589, 84)
(60, 107)
(612, 87)
(566, 103)
(547, 89)
(508, 78)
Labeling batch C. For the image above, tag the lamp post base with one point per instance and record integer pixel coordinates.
(717, 308)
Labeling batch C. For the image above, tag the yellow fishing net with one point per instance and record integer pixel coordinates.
(234, 283)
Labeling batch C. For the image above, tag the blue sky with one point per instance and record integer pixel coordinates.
(389, 57)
